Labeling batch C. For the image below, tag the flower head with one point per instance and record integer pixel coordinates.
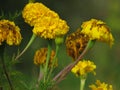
(76, 43)
(9, 32)
(83, 67)
(50, 28)
(100, 86)
(40, 57)
(97, 30)
(33, 12)
(47, 23)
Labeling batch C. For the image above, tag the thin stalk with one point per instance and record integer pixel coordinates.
(47, 61)
(4, 66)
(27, 46)
(39, 77)
(40, 73)
(61, 75)
(82, 83)
(6, 74)
(53, 63)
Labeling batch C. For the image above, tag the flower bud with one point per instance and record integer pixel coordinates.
(59, 40)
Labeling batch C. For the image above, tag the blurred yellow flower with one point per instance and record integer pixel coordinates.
(100, 86)
(33, 12)
(82, 68)
(76, 43)
(9, 32)
(40, 57)
(50, 28)
(97, 30)
(46, 22)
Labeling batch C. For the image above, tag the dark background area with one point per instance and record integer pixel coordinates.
(74, 12)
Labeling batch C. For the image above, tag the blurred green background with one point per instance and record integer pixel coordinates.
(74, 12)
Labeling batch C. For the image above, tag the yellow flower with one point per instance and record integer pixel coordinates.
(33, 12)
(50, 28)
(46, 22)
(9, 32)
(100, 86)
(40, 57)
(97, 30)
(83, 67)
(76, 43)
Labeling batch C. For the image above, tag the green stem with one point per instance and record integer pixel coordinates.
(53, 63)
(27, 46)
(47, 61)
(82, 83)
(4, 66)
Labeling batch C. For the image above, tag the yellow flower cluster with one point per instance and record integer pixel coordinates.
(40, 57)
(100, 86)
(50, 28)
(97, 30)
(47, 23)
(9, 32)
(33, 12)
(83, 67)
(76, 43)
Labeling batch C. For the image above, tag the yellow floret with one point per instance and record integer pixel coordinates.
(97, 30)
(83, 67)
(100, 86)
(33, 12)
(10, 33)
(41, 55)
(50, 28)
